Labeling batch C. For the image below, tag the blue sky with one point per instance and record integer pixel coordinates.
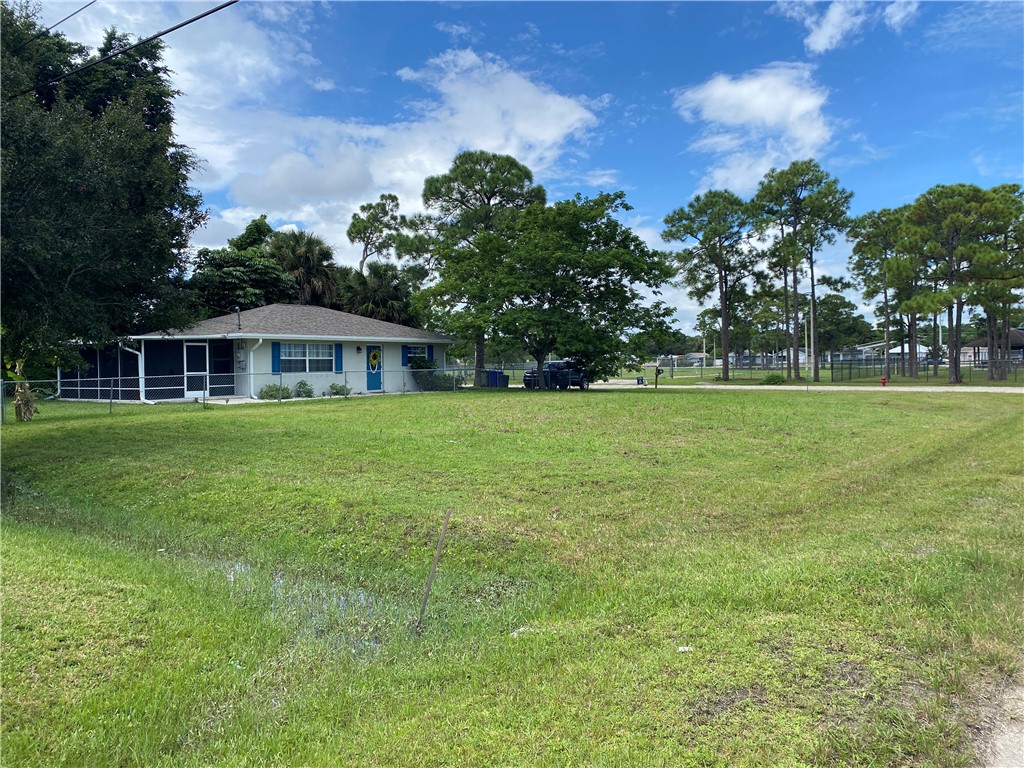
(304, 111)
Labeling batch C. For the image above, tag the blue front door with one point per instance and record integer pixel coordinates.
(374, 357)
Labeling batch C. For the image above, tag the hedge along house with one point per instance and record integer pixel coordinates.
(237, 355)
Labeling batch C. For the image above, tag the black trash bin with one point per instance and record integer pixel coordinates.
(502, 379)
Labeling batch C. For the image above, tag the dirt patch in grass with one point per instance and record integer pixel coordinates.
(998, 733)
(708, 709)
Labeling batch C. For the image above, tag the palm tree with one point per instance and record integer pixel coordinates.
(383, 293)
(310, 261)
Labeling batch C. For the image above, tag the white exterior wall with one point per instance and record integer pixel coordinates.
(394, 378)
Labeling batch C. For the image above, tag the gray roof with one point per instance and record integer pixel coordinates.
(299, 321)
(1016, 340)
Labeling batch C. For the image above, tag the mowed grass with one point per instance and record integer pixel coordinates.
(972, 377)
(630, 578)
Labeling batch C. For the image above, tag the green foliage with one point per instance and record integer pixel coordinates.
(383, 292)
(309, 260)
(773, 379)
(338, 390)
(429, 379)
(420, 363)
(375, 226)
(839, 323)
(965, 240)
(256, 234)
(96, 210)
(577, 282)
(718, 223)
(275, 392)
(473, 209)
(303, 389)
(808, 209)
(226, 278)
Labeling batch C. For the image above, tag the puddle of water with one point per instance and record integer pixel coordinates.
(352, 620)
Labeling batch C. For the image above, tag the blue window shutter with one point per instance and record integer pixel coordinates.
(430, 352)
(405, 355)
(338, 366)
(275, 357)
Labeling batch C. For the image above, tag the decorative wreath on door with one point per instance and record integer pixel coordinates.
(374, 359)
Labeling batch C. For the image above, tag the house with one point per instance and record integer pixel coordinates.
(239, 354)
(876, 351)
(976, 350)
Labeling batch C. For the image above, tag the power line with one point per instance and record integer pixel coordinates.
(52, 26)
(112, 55)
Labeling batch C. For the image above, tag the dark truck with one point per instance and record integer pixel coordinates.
(558, 373)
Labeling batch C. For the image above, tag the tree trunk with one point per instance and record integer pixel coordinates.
(885, 304)
(813, 315)
(904, 332)
(785, 322)
(991, 337)
(911, 356)
(955, 315)
(481, 361)
(723, 307)
(1005, 355)
(796, 328)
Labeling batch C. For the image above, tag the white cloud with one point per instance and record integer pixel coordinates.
(322, 84)
(314, 172)
(897, 15)
(997, 166)
(532, 33)
(601, 178)
(456, 31)
(763, 118)
(843, 19)
(976, 25)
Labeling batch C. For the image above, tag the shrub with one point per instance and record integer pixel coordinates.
(424, 373)
(275, 392)
(338, 390)
(303, 389)
(773, 378)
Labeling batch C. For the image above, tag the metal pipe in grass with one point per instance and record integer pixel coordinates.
(433, 571)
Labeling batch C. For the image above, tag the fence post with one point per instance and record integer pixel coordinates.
(280, 385)
(3, 401)
(110, 408)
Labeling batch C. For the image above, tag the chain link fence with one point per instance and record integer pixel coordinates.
(235, 387)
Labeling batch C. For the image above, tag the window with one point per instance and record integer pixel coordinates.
(307, 358)
(416, 351)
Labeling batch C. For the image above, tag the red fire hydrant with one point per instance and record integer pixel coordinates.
(884, 380)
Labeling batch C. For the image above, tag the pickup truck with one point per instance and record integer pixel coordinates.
(558, 373)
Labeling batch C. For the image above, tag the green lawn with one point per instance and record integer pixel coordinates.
(971, 378)
(630, 578)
